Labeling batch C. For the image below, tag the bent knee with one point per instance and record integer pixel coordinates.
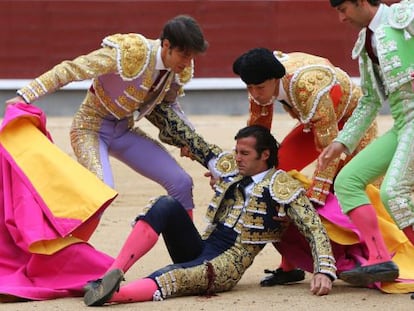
(182, 182)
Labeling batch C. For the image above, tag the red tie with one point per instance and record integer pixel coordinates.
(368, 46)
(158, 79)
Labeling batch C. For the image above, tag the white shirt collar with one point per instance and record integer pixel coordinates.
(282, 94)
(259, 177)
(256, 179)
(159, 65)
(377, 20)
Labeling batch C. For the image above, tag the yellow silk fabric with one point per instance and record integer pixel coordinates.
(68, 189)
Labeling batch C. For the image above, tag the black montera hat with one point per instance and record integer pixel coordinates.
(334, 3)
(257, 66)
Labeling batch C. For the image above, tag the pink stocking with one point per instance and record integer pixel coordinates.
(139, 290)
(365, 219)
(141, 239)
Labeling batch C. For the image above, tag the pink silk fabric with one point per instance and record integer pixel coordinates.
(25, 219)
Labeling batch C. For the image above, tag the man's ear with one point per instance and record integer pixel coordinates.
(266, 154)
(165, 43)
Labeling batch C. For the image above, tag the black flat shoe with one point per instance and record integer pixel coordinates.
(91, 285)
(365, 275)
(280, 277)
(100, 291)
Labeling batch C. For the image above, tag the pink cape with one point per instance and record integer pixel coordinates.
(40, 256)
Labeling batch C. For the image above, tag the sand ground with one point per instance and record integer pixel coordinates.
(134, 192)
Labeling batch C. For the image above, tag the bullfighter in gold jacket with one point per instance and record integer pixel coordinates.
(132, 74)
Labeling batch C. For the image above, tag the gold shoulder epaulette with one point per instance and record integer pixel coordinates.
(308, 85)
(284, 188)
(226, 164)
(133, 53)
(186, 75)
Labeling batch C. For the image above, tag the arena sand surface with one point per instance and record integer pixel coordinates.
(134, 193)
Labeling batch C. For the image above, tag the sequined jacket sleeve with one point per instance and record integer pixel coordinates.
(306, 219)
(364, 114)
(309, 89)
(175, 131)
(84, 67)
(325, 130)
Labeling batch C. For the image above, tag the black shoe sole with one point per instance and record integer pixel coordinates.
(109, 285)
(283, 278)
(364, 279)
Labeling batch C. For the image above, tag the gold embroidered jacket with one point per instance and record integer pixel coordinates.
(277, 195)
(322, 97)
(122, 73)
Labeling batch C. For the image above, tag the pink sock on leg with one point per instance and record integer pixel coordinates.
(365, 219)
(141, 239)
(137, 291)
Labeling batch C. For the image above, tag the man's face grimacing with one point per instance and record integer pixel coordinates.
(264, 92)
(249, 162)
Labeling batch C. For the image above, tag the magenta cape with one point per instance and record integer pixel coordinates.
(47, 202)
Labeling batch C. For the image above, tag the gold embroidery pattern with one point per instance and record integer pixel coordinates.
(228, 268)
(137, 95)
(307, 86)
(84, 133)
(186, 75)
(226, 164)
(309, 224)
(84, 67)
(324, 116)
(321, 186)
(284, 189)
(148, 75)
(107, 102)
(85, 142)
(249, 221)
(175, 132)
(127, 104)
(132, 53)
(293, 61)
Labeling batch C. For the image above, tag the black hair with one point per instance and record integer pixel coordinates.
(335, 3)
(264, 141)
(258, 65)
(184, 33)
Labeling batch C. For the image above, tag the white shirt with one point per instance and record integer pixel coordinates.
(282, 94)
(375, 23)
(256, 179)
(159, 64)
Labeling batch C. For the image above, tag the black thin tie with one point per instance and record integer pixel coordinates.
(244, 182)
(368, 46)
